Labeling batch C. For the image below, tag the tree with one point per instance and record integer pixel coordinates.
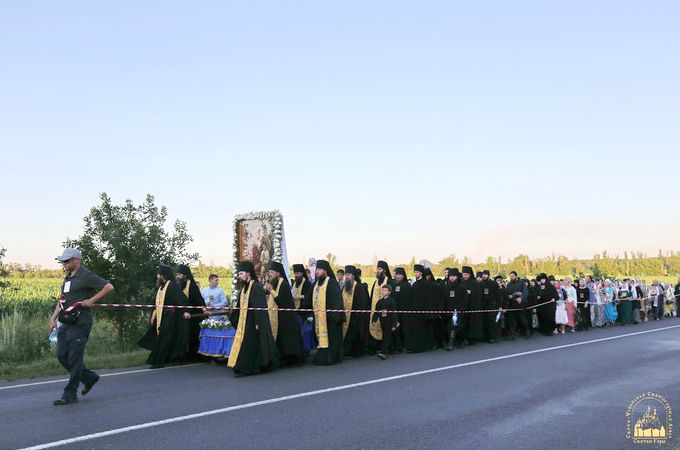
(332, 260)
(124, 244)
(3, 271)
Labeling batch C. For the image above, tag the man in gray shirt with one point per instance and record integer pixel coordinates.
(80, 290)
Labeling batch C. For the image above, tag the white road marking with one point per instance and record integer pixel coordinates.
(64, 380)
(213, 412)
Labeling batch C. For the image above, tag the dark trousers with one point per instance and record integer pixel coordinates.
(517, 320)
(492, 329)
(386, 343)
(71, 341)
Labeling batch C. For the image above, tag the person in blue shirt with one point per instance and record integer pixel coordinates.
(214, 296)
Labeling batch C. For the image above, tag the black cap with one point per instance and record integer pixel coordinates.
(400, 271)
(468, 270)
(325, 265)
(277, 267)
(486, 272)
(454, 272)
(185, 270)
(351, 269)
(165, 270)
(246, 266)
(419, 268)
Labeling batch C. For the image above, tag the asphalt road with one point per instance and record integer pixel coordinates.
(544, 393)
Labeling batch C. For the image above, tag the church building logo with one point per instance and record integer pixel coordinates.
(649, 419)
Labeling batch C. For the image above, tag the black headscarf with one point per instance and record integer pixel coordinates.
(165, 270)
(383, 265)
(247, 266)
(323, 264)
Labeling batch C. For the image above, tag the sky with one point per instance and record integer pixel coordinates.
(380, 129)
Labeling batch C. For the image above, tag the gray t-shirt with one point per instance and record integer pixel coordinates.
(81, 286)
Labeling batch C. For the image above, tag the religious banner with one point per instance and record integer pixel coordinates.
(260, 239)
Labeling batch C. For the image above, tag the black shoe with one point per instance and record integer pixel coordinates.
(65, 401)
(239, 374)
(88, 387)
(381, 356)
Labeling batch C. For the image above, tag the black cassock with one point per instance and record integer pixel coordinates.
(474, 323)
(454, 298)
(440, 326)
(402, 293)
(289, 337)
(492, 298)
(334, 353)
(258, 351)
(419, 337)
(546, 313)
(195, 299)
(170, 343)
(355, 338)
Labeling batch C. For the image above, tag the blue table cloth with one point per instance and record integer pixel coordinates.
(216, 343)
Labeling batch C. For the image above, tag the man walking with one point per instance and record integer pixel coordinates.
(80, 290)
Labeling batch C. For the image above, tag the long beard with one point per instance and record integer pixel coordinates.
(381, 277)
(298, 280)
(349, 284)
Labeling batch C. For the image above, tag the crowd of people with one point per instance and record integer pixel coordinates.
(349, 318)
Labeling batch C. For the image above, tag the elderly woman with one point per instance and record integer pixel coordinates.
(571, 303)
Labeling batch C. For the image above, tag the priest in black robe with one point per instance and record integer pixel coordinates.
(419, 337)
(188, 285)
(254, 349)
(325, 295)
(491, 300)
(288, 336)
(546, 313)
(167, 336)
(454, 299)
(355, 326)
(402, 293)
(474, 324)
(440, 335)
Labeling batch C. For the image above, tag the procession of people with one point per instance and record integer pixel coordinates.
(335, 314)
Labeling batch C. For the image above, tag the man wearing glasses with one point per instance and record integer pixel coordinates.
(80, 290)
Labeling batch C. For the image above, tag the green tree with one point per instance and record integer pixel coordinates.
(124, 244)
(3, 271)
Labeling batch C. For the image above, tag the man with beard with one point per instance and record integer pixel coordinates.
(355, 327)
(474, 324)
(403, 301)
(419, 337)
(517, 294)
(325, 295)
(454, 297)
(546, 313)
(383, 277)
(288, 336)
(167, 337)
(187, 284)
(490, 301)
(301, 286)
(254, 349)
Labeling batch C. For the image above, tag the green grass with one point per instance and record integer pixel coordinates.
(48, 364)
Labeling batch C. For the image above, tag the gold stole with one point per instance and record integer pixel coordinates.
(347, 299)
(297, 293)
(374, 328)
(160, 301)
(241, 328)
(186, 289)
(319, 306)
(273, 309)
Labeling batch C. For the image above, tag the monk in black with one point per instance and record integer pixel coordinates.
(355, 327)
(288, 337)
(329, 331)
(474, 323)
(254, 349)
(454, 299)
(403, 301)
(582, 298)
(491, 300)
(167, 340)
(187, 284)
(546, 313)
(419, 337)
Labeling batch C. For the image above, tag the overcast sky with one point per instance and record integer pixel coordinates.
(384, 128)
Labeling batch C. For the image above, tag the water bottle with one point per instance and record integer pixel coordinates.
(499, 316)
(53, 335)
(454, 319)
